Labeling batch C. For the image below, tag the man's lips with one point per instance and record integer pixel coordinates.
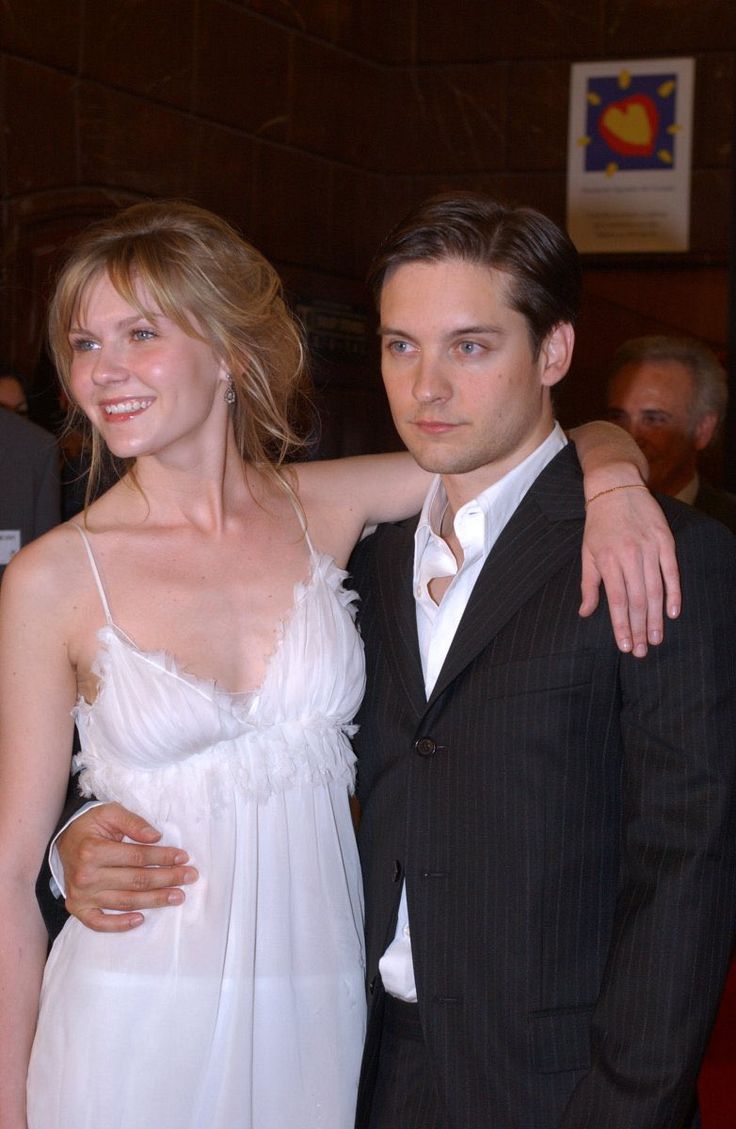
(434, 427)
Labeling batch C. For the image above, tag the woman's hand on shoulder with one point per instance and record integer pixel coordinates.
(628, 546)
(627, 543)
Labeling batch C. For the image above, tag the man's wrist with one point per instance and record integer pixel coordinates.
(56, 883)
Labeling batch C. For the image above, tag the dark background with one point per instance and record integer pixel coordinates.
(313, 124)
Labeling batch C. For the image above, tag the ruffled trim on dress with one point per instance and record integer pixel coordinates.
(157, 731)
(259, 764)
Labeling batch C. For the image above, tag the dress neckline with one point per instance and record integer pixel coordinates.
(167, 662)
(164, 660)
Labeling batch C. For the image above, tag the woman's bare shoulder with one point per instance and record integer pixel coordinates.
(47, 569)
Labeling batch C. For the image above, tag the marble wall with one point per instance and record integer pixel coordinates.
(312, 124)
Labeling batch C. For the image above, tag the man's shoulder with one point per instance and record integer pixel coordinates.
(23, 435)
(701, 540)
(718, 504)
(388, 541)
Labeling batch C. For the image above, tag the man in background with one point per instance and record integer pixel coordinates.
(12, 391)
(670, 394)
(29, 483)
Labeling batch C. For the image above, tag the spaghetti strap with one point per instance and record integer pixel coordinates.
(312, 551)
(95, 572)
(301, 516)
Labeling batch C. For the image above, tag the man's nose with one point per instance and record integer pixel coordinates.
(430, 381)
(637, 430)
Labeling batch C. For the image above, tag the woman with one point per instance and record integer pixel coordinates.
(195, 615)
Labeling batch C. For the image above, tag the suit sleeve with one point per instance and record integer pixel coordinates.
(50, 903)
(47, 494)
(676, 905)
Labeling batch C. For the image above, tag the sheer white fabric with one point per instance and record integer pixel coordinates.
(244, 1008)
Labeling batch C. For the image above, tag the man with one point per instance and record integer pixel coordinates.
(12, 392)
(29, 473)
(558, 816)
(670, 394)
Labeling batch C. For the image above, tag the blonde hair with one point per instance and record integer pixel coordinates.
(195, 266)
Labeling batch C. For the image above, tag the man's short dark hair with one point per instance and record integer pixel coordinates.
(537, 256)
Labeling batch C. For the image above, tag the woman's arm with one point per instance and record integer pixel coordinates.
(37, 691)
(342, 497)
(627, 543)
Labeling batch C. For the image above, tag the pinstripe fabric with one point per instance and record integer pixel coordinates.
(405, 1094)
(569, 845)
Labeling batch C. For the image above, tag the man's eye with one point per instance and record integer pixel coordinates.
(399, 347)
(469, 348)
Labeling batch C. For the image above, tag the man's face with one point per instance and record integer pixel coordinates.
(12, 395)
(467, 396)
(653, 401)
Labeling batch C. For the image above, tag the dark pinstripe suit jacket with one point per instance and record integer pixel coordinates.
(564, 819)
(717, 503)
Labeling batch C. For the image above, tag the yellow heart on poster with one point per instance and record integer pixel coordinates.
(630, 126)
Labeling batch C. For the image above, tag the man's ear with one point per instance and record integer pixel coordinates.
(704, 431)
(556, 353)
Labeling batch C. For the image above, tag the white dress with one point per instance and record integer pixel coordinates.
(244, 1008)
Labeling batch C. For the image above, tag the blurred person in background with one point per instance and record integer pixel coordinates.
(670, 394)
(12, 391)
(29, 472)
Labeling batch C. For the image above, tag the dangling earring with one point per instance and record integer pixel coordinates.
(230, 396)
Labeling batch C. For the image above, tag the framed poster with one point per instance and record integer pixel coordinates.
(629, 145)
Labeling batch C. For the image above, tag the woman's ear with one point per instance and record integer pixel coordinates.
(556, 353)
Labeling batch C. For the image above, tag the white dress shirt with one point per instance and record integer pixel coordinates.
(477, 524)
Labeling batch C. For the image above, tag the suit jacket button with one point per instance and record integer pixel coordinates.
(425, 746)
(372, 986)
(397, 871)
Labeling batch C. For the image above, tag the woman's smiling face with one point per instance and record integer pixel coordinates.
(143, 382)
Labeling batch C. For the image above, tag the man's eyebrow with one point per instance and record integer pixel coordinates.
(469, 330)
(460, 331)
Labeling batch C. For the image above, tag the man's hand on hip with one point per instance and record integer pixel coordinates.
(103, 873)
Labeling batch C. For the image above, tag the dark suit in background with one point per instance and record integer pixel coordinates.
(29, 481)
(717, 503)
(563, 817)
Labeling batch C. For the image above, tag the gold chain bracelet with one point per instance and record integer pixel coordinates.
(610, 490)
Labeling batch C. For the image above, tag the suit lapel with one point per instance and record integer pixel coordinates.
(540, 536)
